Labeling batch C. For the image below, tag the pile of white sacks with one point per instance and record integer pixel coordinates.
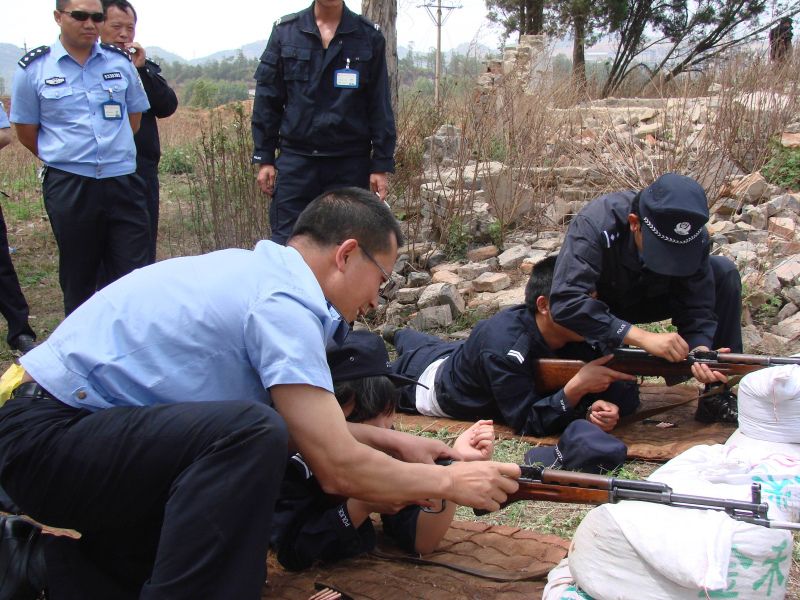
(635, 550)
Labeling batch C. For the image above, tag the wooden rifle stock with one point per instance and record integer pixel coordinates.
(553, 485)
(552, 374)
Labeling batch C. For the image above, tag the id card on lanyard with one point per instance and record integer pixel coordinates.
(112, 110)
(346, 78)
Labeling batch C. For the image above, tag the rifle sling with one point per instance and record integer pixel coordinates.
(537, 575)
(645, 414)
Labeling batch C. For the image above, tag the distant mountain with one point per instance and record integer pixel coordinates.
(160, 55)
(251, 50)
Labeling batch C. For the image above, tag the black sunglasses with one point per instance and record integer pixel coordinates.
(82, 15)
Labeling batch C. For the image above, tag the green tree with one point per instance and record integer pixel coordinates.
(522, 16)
(695, 31)
(587, 21)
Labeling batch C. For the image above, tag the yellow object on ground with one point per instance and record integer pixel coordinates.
(9, 381)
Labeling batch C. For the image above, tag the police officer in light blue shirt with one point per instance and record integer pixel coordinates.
(144, 421)
(76, 105)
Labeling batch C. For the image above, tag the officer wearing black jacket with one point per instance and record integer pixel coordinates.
(119, 28)
(642, 257)
(322, 99)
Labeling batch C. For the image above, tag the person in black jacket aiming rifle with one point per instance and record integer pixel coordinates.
(640, 257)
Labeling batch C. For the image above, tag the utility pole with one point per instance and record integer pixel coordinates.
(438, 21)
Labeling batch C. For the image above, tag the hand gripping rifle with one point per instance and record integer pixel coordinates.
(552, 374)
(553, 485)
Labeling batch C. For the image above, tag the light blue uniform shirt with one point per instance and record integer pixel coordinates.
(4, 124)
(65, 99)
(222, 326)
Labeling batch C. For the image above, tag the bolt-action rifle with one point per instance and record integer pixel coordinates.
(552, 374)
(553, 485)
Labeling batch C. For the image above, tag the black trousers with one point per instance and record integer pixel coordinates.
(415, 352)
(148, 171)
(13, 306)
(95, 222)
(172, 501)
(303, 178)
(727, 306)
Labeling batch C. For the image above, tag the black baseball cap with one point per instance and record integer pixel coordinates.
(582, 447)
(363, 354)
(673, 211)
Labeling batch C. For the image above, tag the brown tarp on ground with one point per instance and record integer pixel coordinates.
(499, 553)
(645, 439)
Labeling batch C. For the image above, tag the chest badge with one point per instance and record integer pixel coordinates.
(346, 78)
(55, 81)
(683, 228)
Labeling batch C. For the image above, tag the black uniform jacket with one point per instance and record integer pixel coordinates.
(309, 526)
(599, 254)
(163, 103)
(297, 102)
(490, 376)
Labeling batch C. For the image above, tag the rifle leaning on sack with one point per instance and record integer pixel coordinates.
(553, 485)
(552, 374)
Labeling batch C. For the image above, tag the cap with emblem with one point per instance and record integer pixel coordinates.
(363, 354)
(582, 447)
(673, 212)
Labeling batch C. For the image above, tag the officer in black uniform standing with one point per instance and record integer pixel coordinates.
(322, 99)
(119, 29)
(643, 257)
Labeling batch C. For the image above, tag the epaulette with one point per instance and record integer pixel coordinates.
(33, 55)
(287, 19)
(370, 23)
(117, 49)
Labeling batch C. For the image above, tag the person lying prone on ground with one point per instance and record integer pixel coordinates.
(311, 525)
(491, 374)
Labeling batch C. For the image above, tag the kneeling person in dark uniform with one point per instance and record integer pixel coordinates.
(643, 257)
(76, 105)
(491, 376)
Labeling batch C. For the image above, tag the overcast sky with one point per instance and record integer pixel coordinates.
(194, 29)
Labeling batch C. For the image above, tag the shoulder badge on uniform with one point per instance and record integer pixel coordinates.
(117, 49)
(370, 23)
(286, 19)
(33, 55)
(516, 354)
(610, 237)
(152, 63)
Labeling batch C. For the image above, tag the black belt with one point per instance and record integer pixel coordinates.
(31, 389)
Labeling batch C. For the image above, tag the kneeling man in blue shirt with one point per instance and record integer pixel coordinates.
(157, 418)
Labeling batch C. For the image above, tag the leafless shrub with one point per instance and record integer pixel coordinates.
(226, 207)
(507, 142)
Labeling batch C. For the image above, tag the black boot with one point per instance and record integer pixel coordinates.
(22, 572)
(719, 407)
